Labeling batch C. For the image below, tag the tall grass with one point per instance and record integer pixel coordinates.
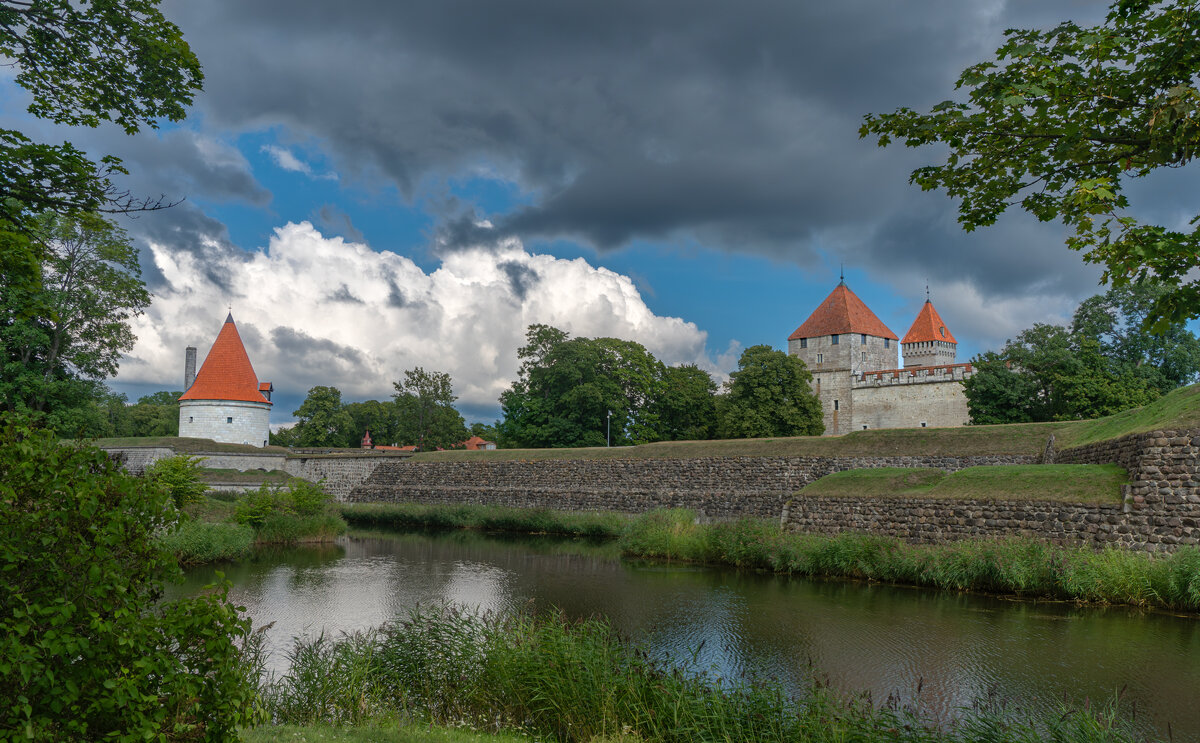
(1024, 567)
(197, 542)
(550, 678)
(485, 518)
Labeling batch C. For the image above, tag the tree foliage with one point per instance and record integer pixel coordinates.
(84, 64)
(62, 334)
(1060, 122)
(321, 419)
(424, 402)
(770, 395)
(1048, 373)
(574, 391)
(686, 407)
(88, 651)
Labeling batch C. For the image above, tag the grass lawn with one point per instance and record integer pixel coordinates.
(188, 445)
(1068, 483)
(379, 733)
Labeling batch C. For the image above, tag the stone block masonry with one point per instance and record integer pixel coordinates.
(717, 487)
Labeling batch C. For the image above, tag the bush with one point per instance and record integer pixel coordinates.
(87, 649)
(180, 476)
(297, 498)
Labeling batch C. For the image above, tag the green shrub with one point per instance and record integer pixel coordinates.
(87, 650)
(306, 498)
(180, 475)
(253, 508)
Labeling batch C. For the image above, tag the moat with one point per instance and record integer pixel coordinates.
(885, 640)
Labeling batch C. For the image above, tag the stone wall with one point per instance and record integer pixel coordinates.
(226, 421)
(1159, 513)
(932, 401)
(943, 520)
(717, 487)
(137, 458)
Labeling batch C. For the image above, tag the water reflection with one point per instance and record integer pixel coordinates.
(862, 637)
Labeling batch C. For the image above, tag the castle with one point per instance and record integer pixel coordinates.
(856, 374)
(225, 402)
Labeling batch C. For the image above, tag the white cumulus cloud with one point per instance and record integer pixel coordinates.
(316, 310)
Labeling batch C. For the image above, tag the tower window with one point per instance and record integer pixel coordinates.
(804, 343)
(923, 424)
(191, 419)
(864, 356)
(833, 339)
(835, 405)
(887, 342)
(820, 358)
(229, 420)
(864, 339)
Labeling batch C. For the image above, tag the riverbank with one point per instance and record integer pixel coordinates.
(544, 677)
(1024, 568)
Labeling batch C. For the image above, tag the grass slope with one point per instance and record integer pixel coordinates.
(186, 445)
(1069, 483)
(1179, 409)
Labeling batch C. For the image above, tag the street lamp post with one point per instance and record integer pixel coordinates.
(608, 429)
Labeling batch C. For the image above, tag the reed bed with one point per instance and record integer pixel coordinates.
(485, 518)
(197, 542)
(553, 679)
(1022, 567)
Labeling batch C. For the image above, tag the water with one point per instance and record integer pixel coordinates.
(861, 637)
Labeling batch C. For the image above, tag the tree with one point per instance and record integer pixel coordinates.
(685, 408)
(88, 649)
(425, 403)
(321, 419)
(381, 418)
(1060, 122)
(1117, 318)
(69, 330)
(154, 415)
(770, 395)
(1047, 373)
(118, 61)
(574, 391)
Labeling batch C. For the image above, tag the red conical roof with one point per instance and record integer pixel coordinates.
(842, 312)
(928, 327)
(226, 373)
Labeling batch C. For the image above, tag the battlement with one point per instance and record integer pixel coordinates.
(914, 375)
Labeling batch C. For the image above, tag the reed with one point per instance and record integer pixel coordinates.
(485, 518)
(196, 542)
(1023, 567)
(549, 678)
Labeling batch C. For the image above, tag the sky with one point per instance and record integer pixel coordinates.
(370, 186)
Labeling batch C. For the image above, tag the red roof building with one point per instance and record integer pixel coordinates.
(928, 327)
(227, 373)
(842, 312)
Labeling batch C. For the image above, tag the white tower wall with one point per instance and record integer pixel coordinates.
(225, 421)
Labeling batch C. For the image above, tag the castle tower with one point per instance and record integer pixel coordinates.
(841, 338)
(225, 402)
(928, 342)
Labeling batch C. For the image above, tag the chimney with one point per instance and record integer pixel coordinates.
(189, 367)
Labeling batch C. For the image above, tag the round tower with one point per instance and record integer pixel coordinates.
(226, 402)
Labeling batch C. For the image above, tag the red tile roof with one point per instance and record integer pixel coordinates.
(842, 312)
(475, 443)
(928, 327)
(226, 373)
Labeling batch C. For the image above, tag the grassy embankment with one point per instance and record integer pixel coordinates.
(1179, 409)
(544, 678)
(1065, 483)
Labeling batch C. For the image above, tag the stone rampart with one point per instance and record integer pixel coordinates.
(718, 487)
(137, 458)
(943, 520)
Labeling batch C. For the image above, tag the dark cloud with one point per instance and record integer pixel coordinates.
(697, 120)
(316, 353)
(184, 228)
(343, 294)
(521, 278)
(337, 222)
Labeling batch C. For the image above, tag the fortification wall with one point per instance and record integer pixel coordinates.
(928, 404)
(1160, 510)
(137, 458)
(927, 520)
(717, 487)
